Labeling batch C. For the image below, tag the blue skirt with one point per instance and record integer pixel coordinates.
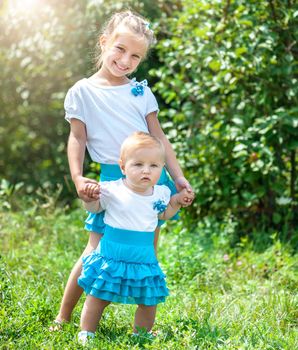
(124, 269)
(111, 172)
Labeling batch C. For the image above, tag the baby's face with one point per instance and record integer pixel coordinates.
(143, 168)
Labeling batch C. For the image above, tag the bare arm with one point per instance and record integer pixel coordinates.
(172, 164)
(171, 160)
(171, 210)
(94, 206)
(76, 153)
(176, 203)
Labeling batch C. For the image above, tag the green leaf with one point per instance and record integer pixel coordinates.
(214, 65)
(240, 50)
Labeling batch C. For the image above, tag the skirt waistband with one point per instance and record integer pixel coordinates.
(119, 235)
(110, 172)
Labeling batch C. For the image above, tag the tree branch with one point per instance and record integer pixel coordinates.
(226, 10)
(273, 10)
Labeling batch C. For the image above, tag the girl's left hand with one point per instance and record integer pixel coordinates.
(186, 198)
(182, 184)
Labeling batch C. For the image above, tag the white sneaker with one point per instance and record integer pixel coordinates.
(84, 337)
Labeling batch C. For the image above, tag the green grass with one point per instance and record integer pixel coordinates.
(221, 297)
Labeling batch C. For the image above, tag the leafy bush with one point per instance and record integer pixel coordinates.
(226, 78)
(229, 79)
(43, 50)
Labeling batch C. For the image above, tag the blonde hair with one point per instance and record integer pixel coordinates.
(137, 140)
(137, 24)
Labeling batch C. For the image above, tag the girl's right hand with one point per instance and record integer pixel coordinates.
(83, 188)
(92, 190)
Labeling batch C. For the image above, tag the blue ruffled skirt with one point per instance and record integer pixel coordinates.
(124, 269)
(111, 172)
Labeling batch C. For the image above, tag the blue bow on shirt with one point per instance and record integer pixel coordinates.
(138, 87)
(160, 206)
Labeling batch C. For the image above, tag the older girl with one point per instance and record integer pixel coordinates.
(103, 110)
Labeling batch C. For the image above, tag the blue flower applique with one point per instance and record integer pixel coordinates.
(138, 87)
(160, 206)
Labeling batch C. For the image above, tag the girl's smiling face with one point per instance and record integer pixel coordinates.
(122, 54)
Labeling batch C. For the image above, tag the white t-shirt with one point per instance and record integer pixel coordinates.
(110, 113)
(131, 211)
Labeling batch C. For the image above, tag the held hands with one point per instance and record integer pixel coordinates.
(88, 190)
(185, 197)
(92, 206)
(185, 190)
(92, 190)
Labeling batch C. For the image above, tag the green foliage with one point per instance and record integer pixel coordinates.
(221, 298)
(225, 74)
(43, 50)
(229, 80)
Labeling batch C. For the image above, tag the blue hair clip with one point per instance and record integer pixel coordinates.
(147, 25)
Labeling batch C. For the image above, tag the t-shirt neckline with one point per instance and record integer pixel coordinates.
(135, 193)
(107, 86)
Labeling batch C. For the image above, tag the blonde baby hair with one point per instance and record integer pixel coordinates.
(135, 23)
(137, 140)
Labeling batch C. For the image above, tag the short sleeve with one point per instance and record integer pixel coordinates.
(73, 105)
(162, 198)
(152, 105)
(165, 194)
(105, 193)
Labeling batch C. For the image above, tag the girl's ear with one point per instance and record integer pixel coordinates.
(122, 166)
(102, 41)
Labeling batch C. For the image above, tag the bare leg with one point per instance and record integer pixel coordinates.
(144, 317)
(156, 236)
(91, 313)
(73, 291)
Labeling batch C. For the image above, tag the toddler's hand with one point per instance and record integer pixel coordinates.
(80, 183)
(186, 191)
(92, 190)
(185, 198)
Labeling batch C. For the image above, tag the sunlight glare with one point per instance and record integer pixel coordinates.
(24, 5)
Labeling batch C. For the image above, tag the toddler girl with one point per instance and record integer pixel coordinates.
(103, 110)
(124, 267)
